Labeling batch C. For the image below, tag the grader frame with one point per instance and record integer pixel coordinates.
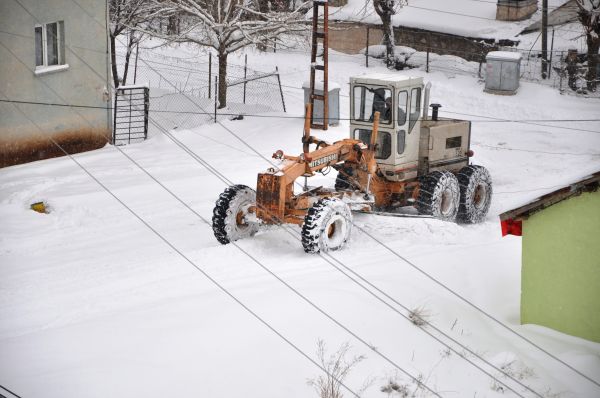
(275, 199)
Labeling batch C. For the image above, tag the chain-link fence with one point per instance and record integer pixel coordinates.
(567, 71)
(183, 94)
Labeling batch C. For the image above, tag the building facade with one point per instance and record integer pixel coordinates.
(53, 52)
(560, 270)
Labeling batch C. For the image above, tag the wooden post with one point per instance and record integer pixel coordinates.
(562, 71)
(137, 50)
(209, 73)
(427, 62)
(280, 90)
(551, 54)
(544, 39)
(216, 96)
(367, 48)
(245, 74)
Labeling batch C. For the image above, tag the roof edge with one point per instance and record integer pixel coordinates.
(588, 184)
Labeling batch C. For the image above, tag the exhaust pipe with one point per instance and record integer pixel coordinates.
(426, 100)
(434, 113)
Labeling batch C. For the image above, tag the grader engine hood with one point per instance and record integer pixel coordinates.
(444, 144)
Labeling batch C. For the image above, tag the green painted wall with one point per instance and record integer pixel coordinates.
(560, 284)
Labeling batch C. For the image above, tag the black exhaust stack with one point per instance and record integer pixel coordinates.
(434, 113)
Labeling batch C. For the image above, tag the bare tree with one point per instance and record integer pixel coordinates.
(126, 16)
(229, 25)
(386, 9)
(589, 16)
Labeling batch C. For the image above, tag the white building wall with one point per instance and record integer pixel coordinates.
(25, 128)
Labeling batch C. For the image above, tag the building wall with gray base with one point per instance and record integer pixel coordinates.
(26, 130)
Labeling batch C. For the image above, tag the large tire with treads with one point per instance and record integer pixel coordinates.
(327, 226)
(229, 215)
(439, 195)
(475, 194)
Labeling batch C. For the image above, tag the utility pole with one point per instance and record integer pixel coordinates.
(544, 39)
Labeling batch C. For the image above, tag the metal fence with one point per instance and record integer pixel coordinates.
(566, 72)
(183, 93)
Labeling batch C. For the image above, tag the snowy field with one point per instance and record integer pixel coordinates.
(95, 304)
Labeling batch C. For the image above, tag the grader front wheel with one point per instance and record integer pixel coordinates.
(327, 226)
(230, 215)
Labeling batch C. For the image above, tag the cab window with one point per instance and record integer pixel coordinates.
(415, 107)
(402, 107)
(368, 100)
(384, 142)
(401, 141)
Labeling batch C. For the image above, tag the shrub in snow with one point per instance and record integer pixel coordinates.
(419, 316)
(337, 368)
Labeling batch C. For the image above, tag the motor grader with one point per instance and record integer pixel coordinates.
(396, 156)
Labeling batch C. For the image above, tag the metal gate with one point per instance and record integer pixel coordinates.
(131, 114)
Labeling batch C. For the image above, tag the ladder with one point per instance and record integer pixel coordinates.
(316, 35)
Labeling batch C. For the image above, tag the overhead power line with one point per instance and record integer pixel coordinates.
(188, 260)
(10, 392)
(263, 116)
(229, 182)
(403, 258)
(383, 356)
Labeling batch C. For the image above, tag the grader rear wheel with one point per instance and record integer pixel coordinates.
(439, 195)
(475, 194)
(229, 220)
(327, 226)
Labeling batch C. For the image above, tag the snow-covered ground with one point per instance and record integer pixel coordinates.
(94, 304)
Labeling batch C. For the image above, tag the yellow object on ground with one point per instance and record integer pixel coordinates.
(40, 207)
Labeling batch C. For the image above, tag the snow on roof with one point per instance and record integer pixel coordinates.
(391, 77)
(566, 189)
(503, 55)
(459, 17)
(319, 85)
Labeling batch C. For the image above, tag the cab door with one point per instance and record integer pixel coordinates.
(408, 127)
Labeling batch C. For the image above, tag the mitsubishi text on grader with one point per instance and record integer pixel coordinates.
(394, 158)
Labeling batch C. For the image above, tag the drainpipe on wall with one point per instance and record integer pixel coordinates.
(108, 72)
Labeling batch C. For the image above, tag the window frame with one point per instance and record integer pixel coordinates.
(406, 107)
(381, 135)
(60, 44)
(400, 133)
(454, 142)
(363, 96)
(412, 122)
